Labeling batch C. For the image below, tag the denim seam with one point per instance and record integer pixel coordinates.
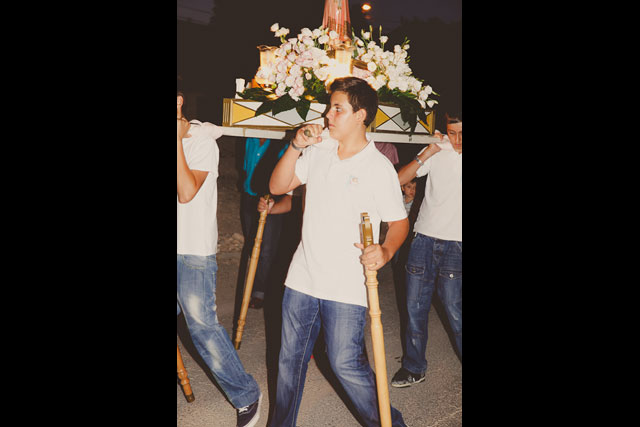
(295, 408)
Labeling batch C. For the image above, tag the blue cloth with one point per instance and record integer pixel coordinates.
(343, 326)
(197, 299)
(252, 155)
(432, 264)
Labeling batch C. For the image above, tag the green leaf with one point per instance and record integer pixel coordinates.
(303, 108)
(265, 107)
(422, 115)
(255, 94)
(283, 103)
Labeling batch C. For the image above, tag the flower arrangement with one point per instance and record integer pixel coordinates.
(303, 69)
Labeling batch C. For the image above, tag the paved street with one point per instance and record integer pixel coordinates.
(435, 402)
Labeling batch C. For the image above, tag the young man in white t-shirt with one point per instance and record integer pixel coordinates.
(435, 256)
(345, 175)
(198, 157)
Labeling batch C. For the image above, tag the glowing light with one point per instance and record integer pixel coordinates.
(366, 7)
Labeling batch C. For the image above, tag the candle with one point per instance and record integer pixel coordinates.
(267, 58)
(239, 86)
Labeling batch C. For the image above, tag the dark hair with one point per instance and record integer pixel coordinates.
(180, 85)
(360, 95)
(453, 117)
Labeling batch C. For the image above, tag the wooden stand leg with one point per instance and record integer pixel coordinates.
(184, 379)
(251, 274)
(377, 336)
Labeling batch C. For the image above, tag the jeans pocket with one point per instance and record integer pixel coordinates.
(417, 270)
(195, 262)
(450, 274)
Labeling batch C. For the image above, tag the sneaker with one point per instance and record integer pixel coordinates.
(249, 415)
(256, 303)
(404, 378)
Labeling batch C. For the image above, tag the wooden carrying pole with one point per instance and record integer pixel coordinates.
(251, 274)
(366, 233)
(184, 379)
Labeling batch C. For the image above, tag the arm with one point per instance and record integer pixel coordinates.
(189, 181)
(374, 257)
(281, 206)
(408, 171)
(283, 178)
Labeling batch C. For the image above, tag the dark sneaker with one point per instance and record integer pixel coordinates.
(404, 378)
(256, 303)
(249, 415)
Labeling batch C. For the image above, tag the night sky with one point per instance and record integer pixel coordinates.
(215, 50)
(386, 12)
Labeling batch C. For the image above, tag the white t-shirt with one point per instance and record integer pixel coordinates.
(326, 264)
(197, 221)
(440, 213)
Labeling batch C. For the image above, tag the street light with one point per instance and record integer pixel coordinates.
(366, 7)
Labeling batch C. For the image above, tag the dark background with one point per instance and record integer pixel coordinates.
(210, 57)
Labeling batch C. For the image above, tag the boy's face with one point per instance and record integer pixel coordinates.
(409, 189)
(454, 132)
(341, 119)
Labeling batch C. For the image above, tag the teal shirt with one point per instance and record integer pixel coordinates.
(252, 155)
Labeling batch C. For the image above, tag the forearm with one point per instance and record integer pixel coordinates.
(409, 171)
(283, 176)
(395, 237)
(281, 206)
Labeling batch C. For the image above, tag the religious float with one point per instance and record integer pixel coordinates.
(289, 88)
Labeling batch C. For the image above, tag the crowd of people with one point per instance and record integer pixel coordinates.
(343, 175)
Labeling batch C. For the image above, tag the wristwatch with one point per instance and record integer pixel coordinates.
(420, 162)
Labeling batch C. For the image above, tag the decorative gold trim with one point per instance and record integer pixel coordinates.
(229, 104)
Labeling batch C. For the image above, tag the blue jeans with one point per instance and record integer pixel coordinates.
(269, 245)
(432, 264)
(343, 325)
(197, 299)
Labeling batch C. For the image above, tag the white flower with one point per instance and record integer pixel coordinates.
(282, 32)
(359, 42)
(383, 39)
(306, 32)
(431, 102)
(281, 89)
(322, 73)
(290, 80)
(421, 102)
(307, 76)
(323, 39)
(366, 35)
(428, 89)
(296, 70)
(333, 35)
(397, 48)
(316, 33)
(371, 66)
(406, 46)
(275, 27)
(281, 67)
